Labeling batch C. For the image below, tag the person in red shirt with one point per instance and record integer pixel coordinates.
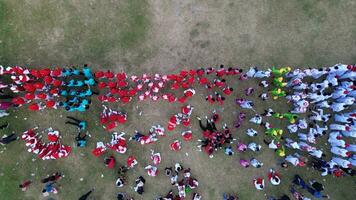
(57, 83)
(210, 99)
(108, 74)
(18, 101)
(110, 162)
(220, 72)
(228, 90)
(56, 72)
(29, 96)
(34, 107)
(51, 104)
(131, 162)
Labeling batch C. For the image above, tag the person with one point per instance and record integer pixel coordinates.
(316, 185)
(120, 182)
(299, 181)
(4, 126)
(254, 162)
(8, 139)
(259, 183)
(25, 185)
(168, 171)
(210, 125)
(274, 177)
(316, 194)
(76, 122)
(244, 163)
(86, 195)
(228, 151)
(178, 167)
(110, 162)
(81, 140)
(140, 182)
(53, 178)
(49, 188)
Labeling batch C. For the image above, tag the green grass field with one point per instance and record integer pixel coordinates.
(165, 36)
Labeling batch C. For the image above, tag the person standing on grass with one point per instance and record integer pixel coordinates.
(86, 195)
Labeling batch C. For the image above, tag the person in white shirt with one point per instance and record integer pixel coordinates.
(337, 107)
(341, 162)
(317, 73)
(349, 75)
(307, 137)
(254, 162)
(316, 152)
(251, 132)
(343, 118)
(291, 144)
(351, 148)
(337, 142)
(292, 159)
(254, 147)
(338, 69)
(302, 124)
(340, 151)
(339, 127)
(339, 93)
(319, 116)
(301, 86)
(293, 128)
(323, 104)
(257, 119)
(346, 100)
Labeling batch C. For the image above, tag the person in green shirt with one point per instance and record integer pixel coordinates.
(281, 151)
(280, 72)
(278, 81)
(277, 92)
(291, 117)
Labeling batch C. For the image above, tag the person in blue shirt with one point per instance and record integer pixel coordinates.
(87, 72)
(90, 81)
(81, 140)
(70, 83)
(64, 93)
(66, 72)
(75, 72)
(78, 83)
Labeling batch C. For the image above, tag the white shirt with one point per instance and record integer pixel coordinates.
(251, 132)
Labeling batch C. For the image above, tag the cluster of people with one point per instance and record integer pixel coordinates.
(51, 150)
(185, 184)
(212, 138)
(44, 88)
(180, 118)
(154, 132)
(110, 118)
(335, 94)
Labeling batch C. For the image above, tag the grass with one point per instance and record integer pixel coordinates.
(159, 36)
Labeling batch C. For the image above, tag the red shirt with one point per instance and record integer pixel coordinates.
(29, 96)
(57, 83)
(48, 80)
(99, 74)
(50, 103)
(108, 74)
(101, 85)
(56, 72)
(45, 72)
(34, 107)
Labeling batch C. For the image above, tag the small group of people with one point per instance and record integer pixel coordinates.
(185, 184)
(214, 139)
(54, 149)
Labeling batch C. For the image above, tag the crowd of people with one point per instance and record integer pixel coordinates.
(322, 102)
